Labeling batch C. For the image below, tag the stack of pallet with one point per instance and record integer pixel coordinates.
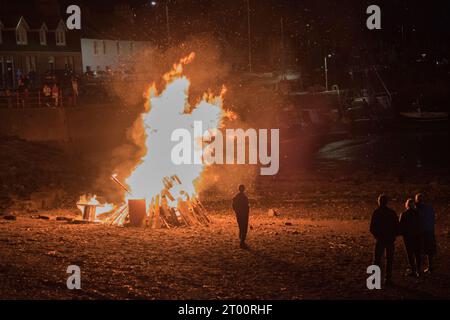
(187, 212)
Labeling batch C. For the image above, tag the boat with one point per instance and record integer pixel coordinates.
(425, 116)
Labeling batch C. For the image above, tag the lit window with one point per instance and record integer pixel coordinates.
(131, 47)
(118, 47)
(68, 63)
(30, 63)
(104, 47)
(51, 63)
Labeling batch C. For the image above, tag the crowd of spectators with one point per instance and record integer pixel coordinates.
(50, 91)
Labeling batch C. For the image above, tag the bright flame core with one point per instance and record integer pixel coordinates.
(166, 112)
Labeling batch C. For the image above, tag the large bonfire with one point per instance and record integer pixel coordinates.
(167, 189)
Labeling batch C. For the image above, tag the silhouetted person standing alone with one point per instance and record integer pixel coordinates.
(241, 208)
(384, 227)
(427, 223)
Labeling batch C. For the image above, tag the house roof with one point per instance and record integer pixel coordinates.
(35, 23)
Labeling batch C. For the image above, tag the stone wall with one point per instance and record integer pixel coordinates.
(85, 127)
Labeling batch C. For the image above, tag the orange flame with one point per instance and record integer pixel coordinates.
(168, 111)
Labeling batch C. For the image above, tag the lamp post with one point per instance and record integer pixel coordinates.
(249, 37)
(154, 4)
(282, 49)
(325, 64)
(167, 22)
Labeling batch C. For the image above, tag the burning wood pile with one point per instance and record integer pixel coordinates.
(162, 212)
(160, 191)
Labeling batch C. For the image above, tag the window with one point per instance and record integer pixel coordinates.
(68, 63)
(60, 38)
(60, 34)
(33, 63)
(94, 45)
(43, 36)
(118, 47)
(30, 63)
(131, 47)
(21, 32)
(104, 47)
(21, 35)
(51, 63)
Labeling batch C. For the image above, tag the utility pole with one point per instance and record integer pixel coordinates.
(282, 51)
(167, 22)
(325, 66)
(166, 5)
(249, 38)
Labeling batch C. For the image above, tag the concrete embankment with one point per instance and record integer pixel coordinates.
(84, 127)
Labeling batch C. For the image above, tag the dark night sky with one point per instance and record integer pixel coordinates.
(329, 23)
(341, 19)
(311, 27)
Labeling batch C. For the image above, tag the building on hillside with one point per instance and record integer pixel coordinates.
(32, 45)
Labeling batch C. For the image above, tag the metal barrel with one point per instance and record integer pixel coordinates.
(137, 212)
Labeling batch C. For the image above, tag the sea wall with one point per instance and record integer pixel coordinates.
(90, 126)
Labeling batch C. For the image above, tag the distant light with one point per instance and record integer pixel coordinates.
(153, 3)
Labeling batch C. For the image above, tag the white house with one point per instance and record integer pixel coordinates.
(101, 54)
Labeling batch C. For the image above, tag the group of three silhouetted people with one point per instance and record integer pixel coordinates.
(416, 225)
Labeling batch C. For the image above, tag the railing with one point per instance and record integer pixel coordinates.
(36, 99)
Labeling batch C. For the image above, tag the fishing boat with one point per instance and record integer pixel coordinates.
(425, 116)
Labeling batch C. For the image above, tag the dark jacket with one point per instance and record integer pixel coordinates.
(384, 225)
(240, 204)
(427, 217)
(410, 223)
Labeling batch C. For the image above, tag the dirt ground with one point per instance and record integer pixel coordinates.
(289, 258)
(318, 248)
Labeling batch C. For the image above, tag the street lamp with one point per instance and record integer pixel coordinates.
(154, 4)
(326, 70)
(167, 22)
(249, 37)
